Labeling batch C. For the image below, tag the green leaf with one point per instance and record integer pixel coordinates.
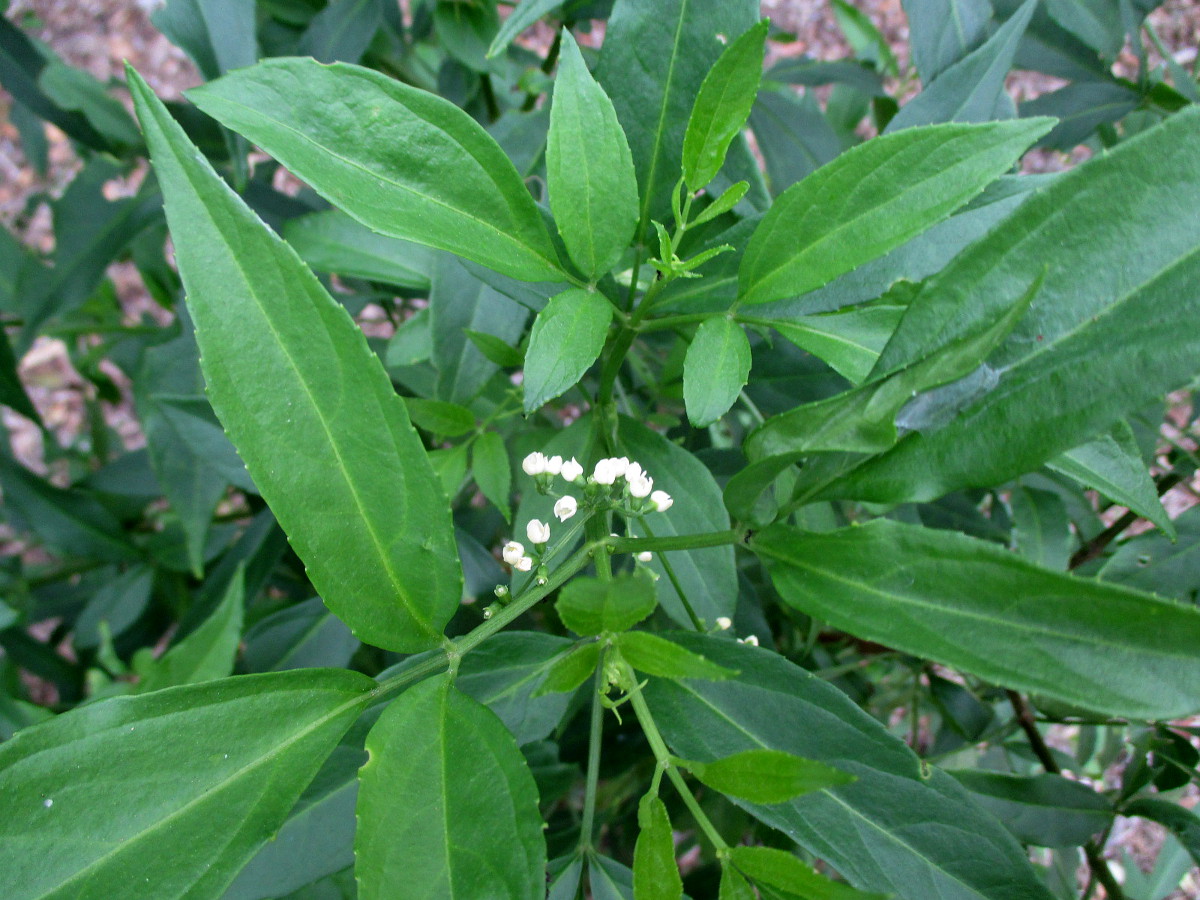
(793, 135)
(1095, 22)
(1181, 822)
(941, 32)
(12, 392)
(655, 872)
(728, 199)
(447, 806)
(589, 606)
(493, 474)
(722, 106)
(873, 198)
(218, 35)
(780, 869)
(116, 605)
(567, 338)
(466, 30)
(524, 14)
(1155, 563)
(767, 776)
(440, 417)
(901, 828)
(589, 170)
(341, 31)
(208, 652)
(309, 407)
(570, 671)
(331, 241)
(850, 341)
(306, 635)
(866, 40)
(734, 886)
(654, 58)
(608, 879)
(405, 163)
(715, 370)
(90, 796)
(496, 350)
(1041, 527)
(1046, 810)
(974, 606)
(654, 655)
(707, 578)
(76, 90)
(1112, 464)
(1081, 107)
(972, 89)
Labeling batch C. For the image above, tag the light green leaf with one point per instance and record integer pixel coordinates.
(654, 655)
(447, 806)
(901, 828)
(567, 337)
(405, 163)
(331, 241)
(570, 671)
(589, 606)
(90, 796)
(439, 416)
(715, 370)
(767, 776)
(866, 40)
(722, 106)
(1046, 810)
(208, 652)
(850, 341)
(1112, 464)
(589, 171)
(493, 474)
(734, 886)
(873, 198)
(975, 606)
(780, 869)
(655, 872)
(309, 407)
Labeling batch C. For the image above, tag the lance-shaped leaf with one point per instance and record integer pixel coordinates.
(655, 872)
(93, 803)
(566, 339)
(977, 607)
(655, 655)
(309, 408)
(715, 370)
(767, 776)
(722, 106)
(1047, 810)
(780, 869)
(900, 828)
(941, 32)
(403, 162)
(849, 341)
(589, 170)
(447, 806)
(873, 198)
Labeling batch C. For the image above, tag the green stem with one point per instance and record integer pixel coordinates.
(595, 734)
(687, 605)
(675, 542)
(667, 322)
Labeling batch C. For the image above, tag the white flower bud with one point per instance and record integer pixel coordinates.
(512, 552)
(662, 500)
(640, 486)
(724, 623)
(524, 564)
(633, 470)
(571, 470)
(645, 556)
(606, 471)
(621, 464)
(750, 639)
(534, 463)
(565, 508)
(537, 531)
(554, 465)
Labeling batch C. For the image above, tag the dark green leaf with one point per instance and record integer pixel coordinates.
(493, 474)
(655, 873)
(306, 635)
(1183, 823)
(1046, 810)
(942, 32)
(811, 72)
(91, 795)
(507, 673)
(850, 341)
(1081, 107)
(899, 828)
(779, 869)
(767, 776)
(466, 30)
(12, 392)
(219, 35)
(447, 807)
(793, 136)
(1155, 563)
(734, 886)
(331, 241)
(608, 879)
(589, 606)
(974, 606)
(1041, 528)
(567, 337)
(76, 90)
(715, 370)
(722, 106)
(311, 410)
(403, 162)
(589, 171)
(654, 655)
(1095, 22)
(341, 31)
(117, 604)
(874, 198)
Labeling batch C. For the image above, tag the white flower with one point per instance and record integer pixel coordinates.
(633, 470)
(537, 531)
(724, 623)
(749, 639)
(640, 485)
(524, 564)
(512, 552)
(565, 508)
(662, 500)
(606, 471)
(534, 464)
(571, 470)
(554, 465)
(621, 464)
(645, 556)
